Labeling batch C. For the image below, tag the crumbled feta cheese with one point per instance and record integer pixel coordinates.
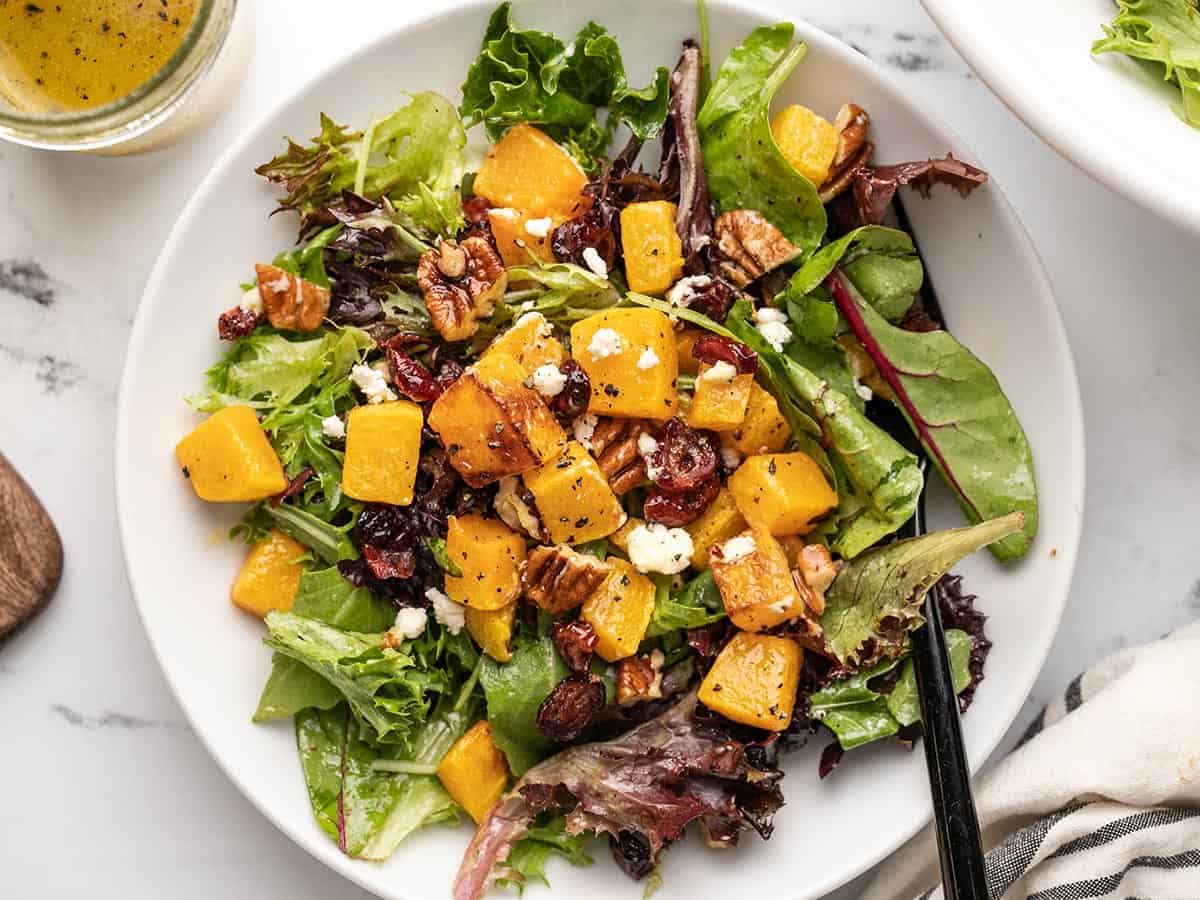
(720, 372)
(647, 447)
(730, 458)
(584, 427)
(252, 301)
(595, 262)
(446, 611)
(862, 390)
(772, 325)
(539, 228)
(372, 383)
(525, 307)
(544, 328)
(737, 548)
(548, 381)
(684, 291)
(333, 427)
(281, 284)
(656, 548)
(605, 343)
(410, 624)
(648, 359)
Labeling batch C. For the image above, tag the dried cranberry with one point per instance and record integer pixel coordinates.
(685, 458)
(677, 510)
(237, 323)
(831, 757)
(573, 399)
(712, 348)
(295, 486)
(389, 563)
(475, 210)
(708, 640)
(632, 852)
(592, 230)
(446, 371)
(571, 707)
(575, 642)
(713, 299)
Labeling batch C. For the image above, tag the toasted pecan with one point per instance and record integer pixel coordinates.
(615, 445)
(558, 578)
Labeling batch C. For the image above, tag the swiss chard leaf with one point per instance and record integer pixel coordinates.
(514, 690)
(696, 604)
(875, 601)
(958, 411)
(745, 168)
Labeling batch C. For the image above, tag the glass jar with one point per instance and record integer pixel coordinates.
(184, 94)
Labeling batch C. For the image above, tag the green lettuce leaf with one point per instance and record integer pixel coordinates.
(744, 166)
(875, 601)
(694, 605)
(1165, 33)
(526, 75)
(514, 690)
(904, 701)
(527, 859)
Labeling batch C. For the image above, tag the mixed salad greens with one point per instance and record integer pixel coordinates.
(578, 474)
(1166, 35)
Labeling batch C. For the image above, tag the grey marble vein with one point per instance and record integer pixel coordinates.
(26, 278)
(110, 719)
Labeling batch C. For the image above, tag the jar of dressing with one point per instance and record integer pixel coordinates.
(117, 76)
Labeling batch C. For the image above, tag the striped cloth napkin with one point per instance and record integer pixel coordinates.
(1100, 800)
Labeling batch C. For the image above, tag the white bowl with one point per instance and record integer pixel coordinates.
(994, 292)
(1108, 115)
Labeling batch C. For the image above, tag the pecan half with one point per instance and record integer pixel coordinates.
(639, 678)
(853, 152)
(461, 284)
(515, 507)
(292, 303)
(749, 246)
(558, 578)
(615, 445)
(818, 570)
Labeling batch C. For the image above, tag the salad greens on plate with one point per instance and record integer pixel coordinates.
(575, 491)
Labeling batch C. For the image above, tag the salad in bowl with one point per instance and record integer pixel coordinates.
(582, 484)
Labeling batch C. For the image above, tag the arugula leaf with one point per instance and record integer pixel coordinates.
(1166, 33)
(696, 604)
(958, 411)
(514, 690)
(525, 75)
(744, 166)
(527, 858)
(875, 601)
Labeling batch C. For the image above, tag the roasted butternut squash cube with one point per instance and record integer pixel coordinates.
(492, 630)
(752, 574)
(492, 425)
(517, 245)
(719, 405)
(685, 343)
(228, 458)
(474, 772)
(383, 448)
(630, 358)
(754, 680)
(783, 493)
(620, 611)
(527, 170)
(651, 246)
(720, 521)
(573, 498)
(763, 430)
(270, 576)
(489, 554)
(530, 341)
(806, 140)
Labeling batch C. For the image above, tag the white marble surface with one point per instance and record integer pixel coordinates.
(108, 793)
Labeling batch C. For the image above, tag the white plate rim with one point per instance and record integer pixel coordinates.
(318, 846)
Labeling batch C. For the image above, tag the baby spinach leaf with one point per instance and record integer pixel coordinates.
(958, 411)
(514, 690)
(696, 604)
(904, 702)
(875, 601)
(881, 262)
(744, 166)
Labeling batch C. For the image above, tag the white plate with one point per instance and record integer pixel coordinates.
(1107, 114)
(994, 292)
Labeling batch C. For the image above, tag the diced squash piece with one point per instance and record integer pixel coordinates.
(763, 430)
(651, 246)
(610, 345)
(573, 498)
(620, 611)
(492, 630)
(720, 521)
(489, 554)
(492, 425)
(269, 577)
(783, 493)
(383, 448)
(474, 771)
(792, 544)
(754, 680)
(517, 246)
(806, 140)
(719, 405)
(530, 341)
(620, 537)
(685, 342)
(526, 170)
(228, 458)
(752, 574)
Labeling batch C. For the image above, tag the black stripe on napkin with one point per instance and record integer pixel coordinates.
(1074, 697)
(1011, 858)
(1120, 828)
(1098, 887)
